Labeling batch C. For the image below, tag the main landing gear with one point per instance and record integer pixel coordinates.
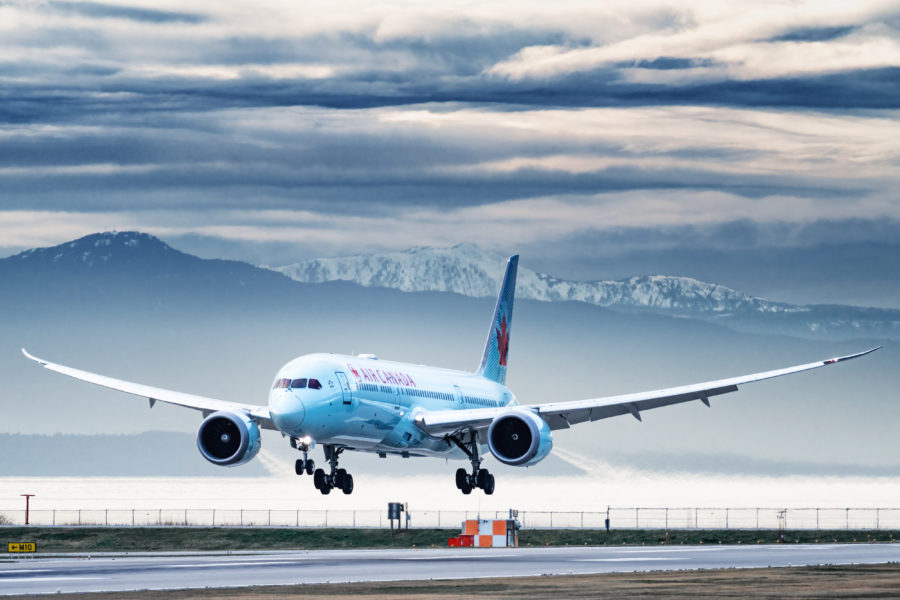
(479, 478)
(336, 478)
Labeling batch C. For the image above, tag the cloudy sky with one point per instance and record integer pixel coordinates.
(321, 128)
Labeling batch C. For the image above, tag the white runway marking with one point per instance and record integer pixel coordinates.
(36, 579)
(32, 570)
(231, 564)
(625, 559)
(461, 557)
(691, 549)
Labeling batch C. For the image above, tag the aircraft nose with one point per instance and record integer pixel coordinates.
(287, 411)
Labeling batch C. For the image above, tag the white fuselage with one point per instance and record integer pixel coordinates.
(369, 404)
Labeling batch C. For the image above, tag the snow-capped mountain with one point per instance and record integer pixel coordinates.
(467, 270)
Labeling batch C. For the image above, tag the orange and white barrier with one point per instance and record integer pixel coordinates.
(490, 533)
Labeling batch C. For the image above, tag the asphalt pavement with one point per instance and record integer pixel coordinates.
(178, 570)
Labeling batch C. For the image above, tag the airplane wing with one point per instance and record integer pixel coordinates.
(260, 414)
(560, 415)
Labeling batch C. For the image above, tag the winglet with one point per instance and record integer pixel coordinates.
(831, 361)
(34, 358)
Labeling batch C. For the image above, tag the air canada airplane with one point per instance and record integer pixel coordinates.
(365, 404)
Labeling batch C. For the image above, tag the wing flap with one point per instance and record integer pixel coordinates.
(207, 405)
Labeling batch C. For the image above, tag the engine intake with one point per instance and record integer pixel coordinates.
(228, 439)
(519, 438)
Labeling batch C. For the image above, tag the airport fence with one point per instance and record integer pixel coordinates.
(619, 518)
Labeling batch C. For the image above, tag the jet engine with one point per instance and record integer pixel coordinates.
(519, 437)
(228, 439)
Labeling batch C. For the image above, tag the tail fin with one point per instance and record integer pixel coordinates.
(496, 349)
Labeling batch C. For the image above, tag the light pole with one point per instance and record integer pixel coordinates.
(27, 505)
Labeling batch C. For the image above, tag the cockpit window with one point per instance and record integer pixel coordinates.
(297, 384)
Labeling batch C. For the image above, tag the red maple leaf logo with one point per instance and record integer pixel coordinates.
(353, 370)
(502, 342)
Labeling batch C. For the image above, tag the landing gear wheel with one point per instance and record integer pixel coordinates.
(347, 486)
(462, 478)
(319, 480)
(299, 467)
(310, 467)
(339, 476)
(325, 490)
(481, 479)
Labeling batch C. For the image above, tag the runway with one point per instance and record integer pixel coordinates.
(110, 572)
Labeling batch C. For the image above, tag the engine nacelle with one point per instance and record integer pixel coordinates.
(519, 437)
(228, 439)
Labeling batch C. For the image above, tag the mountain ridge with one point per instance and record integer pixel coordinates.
(130, 268)
(466, 269)
(126, 270)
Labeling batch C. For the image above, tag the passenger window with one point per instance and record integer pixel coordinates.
(298, 383)
(314, 384)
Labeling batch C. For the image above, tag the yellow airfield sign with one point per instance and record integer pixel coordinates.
(21, 547)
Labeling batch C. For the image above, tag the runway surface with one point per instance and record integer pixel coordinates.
(192, 570)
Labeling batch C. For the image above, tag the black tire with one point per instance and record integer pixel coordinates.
(310, 466)
(299, 467)
(325, 490)
(462, 478)
(466, 489)
(482, 478)
(489, 485)
(319, 480)
(339, 476)
(347, 488)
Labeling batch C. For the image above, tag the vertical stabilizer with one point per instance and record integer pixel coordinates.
(496, 349)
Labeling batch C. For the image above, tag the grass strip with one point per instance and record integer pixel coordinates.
(155, 539)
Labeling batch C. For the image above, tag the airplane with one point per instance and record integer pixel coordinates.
(363, 403)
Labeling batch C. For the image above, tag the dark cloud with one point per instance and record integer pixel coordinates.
(366, 174)
(671, 62)
(100, 10)
(118, 92)
(742, 233)
(847, 90)
(814, 34)
(173, 115)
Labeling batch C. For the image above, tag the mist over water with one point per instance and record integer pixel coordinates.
(437, 492)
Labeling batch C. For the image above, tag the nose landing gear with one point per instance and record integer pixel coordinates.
(324, 482)
(305, 464)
